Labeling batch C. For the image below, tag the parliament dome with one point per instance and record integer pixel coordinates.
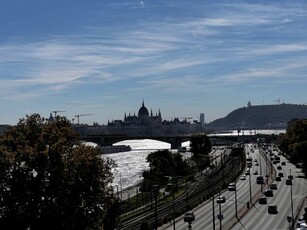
(143, 111)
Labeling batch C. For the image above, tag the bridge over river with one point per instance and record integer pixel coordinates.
(175, 141)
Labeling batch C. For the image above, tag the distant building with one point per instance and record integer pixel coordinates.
(140, 125)
(202, 120)
(145, 123)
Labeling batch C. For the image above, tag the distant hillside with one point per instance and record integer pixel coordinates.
(260, 116)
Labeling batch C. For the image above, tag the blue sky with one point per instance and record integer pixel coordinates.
(182, 57)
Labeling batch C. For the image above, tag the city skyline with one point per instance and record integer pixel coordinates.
(183, 58)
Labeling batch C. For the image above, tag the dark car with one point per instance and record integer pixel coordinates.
(273, 186)
(269, 193)
(283, 163)
(272, 209)
(279, 167)
(289, 182)
(260, 180)
(263, 200)
(280, 174)
(278, 178)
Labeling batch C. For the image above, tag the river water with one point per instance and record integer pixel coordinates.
(130, 165)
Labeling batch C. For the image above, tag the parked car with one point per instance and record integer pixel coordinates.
(255, 172)
(278, 178)
(280, 174)
(283, 163)
(290, 177)
(272, 209)
(279, 167)
(247, 172)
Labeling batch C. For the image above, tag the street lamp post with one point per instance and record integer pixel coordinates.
(290, 183)
(189, 218)
(250, 188)
(220, 216)
(173, 203)
(236, 205)
(213, 213)
(173, 196)
(156, 210)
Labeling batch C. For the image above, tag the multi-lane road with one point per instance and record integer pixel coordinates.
(241, 209)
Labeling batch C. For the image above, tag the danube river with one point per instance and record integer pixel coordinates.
(130, 165)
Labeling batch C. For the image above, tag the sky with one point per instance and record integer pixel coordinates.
(183, 58)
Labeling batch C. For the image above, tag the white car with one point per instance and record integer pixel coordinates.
(221, 200)
(243, 177)
(231, 187)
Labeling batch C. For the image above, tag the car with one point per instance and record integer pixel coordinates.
(243, 177)
(289, 182)
(278, 178)
(268, 193)
(279, 167)
(259, 180)
(249, 165)
(272, 209)
(263, 200)
(256, 164)
(255, 172)
(273, 186)
(283, 163)
(290, 177)
(280, 174)
(221, 200)
(255, 160)
(231, 187)
(300, 221)
(247, 172)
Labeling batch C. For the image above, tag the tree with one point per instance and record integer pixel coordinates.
(163, 164)
(201, 147)
(49, 180)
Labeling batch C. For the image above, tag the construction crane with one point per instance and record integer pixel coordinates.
(81, 115)
(57, 111)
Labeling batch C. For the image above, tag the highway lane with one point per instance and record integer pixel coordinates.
(258, 217)
(204, 213)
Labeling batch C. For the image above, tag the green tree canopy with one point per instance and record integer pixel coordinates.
(48, 180)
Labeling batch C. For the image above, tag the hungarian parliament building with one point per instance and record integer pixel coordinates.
(144, 124)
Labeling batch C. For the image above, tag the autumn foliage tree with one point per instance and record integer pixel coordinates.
(49, 180)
